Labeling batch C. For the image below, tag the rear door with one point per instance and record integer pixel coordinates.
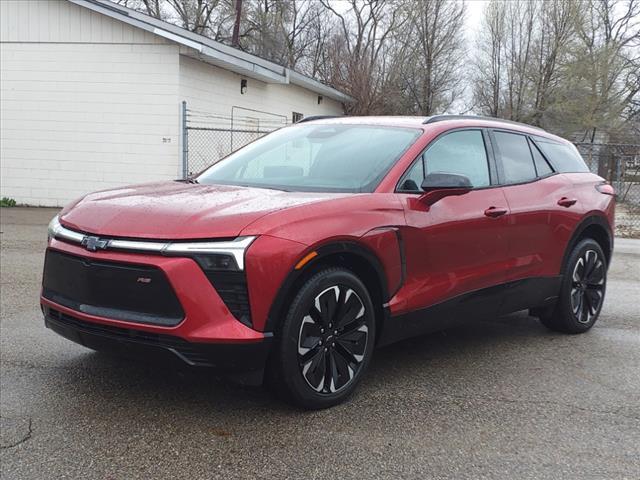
(539, 202)
(456, 246)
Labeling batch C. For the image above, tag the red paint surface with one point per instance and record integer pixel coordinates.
(451, 247)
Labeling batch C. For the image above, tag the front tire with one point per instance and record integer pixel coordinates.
(582, 291)
(326, 341)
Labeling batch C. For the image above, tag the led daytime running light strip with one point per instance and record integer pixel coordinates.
(234, 248)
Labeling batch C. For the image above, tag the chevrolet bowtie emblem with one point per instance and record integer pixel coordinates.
(94, 243)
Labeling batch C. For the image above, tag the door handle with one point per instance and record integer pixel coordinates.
(567, 202)
(495, 212)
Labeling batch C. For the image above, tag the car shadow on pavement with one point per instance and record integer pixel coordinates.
(104, 377)
(476, 341)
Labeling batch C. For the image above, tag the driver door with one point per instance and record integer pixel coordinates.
(456, 249)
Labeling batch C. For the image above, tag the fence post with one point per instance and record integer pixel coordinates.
(185, 141)
(231, 146)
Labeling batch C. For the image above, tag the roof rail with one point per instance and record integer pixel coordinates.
(441, 118)
(318, 117)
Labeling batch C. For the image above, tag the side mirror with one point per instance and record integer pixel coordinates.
(439, 181)
(440, 185)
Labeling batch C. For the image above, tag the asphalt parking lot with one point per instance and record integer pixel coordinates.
(503, 399)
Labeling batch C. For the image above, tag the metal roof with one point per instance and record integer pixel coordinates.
(215, 53)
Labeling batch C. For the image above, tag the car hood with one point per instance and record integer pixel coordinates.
(177, 210)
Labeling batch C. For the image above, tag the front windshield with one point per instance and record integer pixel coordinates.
(331, 158)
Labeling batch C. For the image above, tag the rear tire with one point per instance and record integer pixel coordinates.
(326, 341)
(582, 291)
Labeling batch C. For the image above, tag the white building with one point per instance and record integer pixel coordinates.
(91, 97)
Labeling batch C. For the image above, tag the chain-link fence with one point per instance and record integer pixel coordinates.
(208, 145)
(619, 163)
(210, 137)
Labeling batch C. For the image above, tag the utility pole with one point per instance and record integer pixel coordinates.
(235, 40)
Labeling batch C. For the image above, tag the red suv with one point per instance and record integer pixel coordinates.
(292, 258)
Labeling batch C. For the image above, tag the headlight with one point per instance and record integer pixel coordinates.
(217, 262)
(228, 255)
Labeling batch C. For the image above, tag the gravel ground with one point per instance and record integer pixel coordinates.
(501, 399)
(628, 220)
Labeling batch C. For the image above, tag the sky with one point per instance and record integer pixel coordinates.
(473, 22)
(474, 14)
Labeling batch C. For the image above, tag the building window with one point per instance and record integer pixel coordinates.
(243, 86)
(320, 99)
(296, 117)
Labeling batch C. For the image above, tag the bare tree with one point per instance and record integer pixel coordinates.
(153, 8)
(194, 15)
(557, 25)
(283, 31)
(606, 63)
(206, 17)
(489, 65)
(429, 62)
(357, 63)
(518, 51)
(523, 47)
(568, 65)
(320, 31)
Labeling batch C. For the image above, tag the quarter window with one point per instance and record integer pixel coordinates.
(564, 157)
(516, 157)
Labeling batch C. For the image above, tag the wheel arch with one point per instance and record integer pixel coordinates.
(596, 227)
(353, 256)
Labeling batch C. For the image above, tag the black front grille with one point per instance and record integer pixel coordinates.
(232, 288)
(185, 349)
(134, 293)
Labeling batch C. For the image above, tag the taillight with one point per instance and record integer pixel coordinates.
(605, 188)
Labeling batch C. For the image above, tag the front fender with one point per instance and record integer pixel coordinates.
(379, 249)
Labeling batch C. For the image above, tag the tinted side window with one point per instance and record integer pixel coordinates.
(563, 157)
(542, 166)
(460, 152)
(516, 157)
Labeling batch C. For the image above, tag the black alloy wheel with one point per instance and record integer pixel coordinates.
(587, 290)
(326, 340)
(333, 339)
(582, 291)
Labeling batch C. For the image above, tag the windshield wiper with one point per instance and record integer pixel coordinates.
(278, 189)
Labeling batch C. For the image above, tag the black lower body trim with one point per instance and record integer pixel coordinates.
(529, 293)
(232, 358)
(489, 302)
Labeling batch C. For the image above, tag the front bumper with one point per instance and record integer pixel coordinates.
(205, 317)
(207, 335)
(168, 349)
